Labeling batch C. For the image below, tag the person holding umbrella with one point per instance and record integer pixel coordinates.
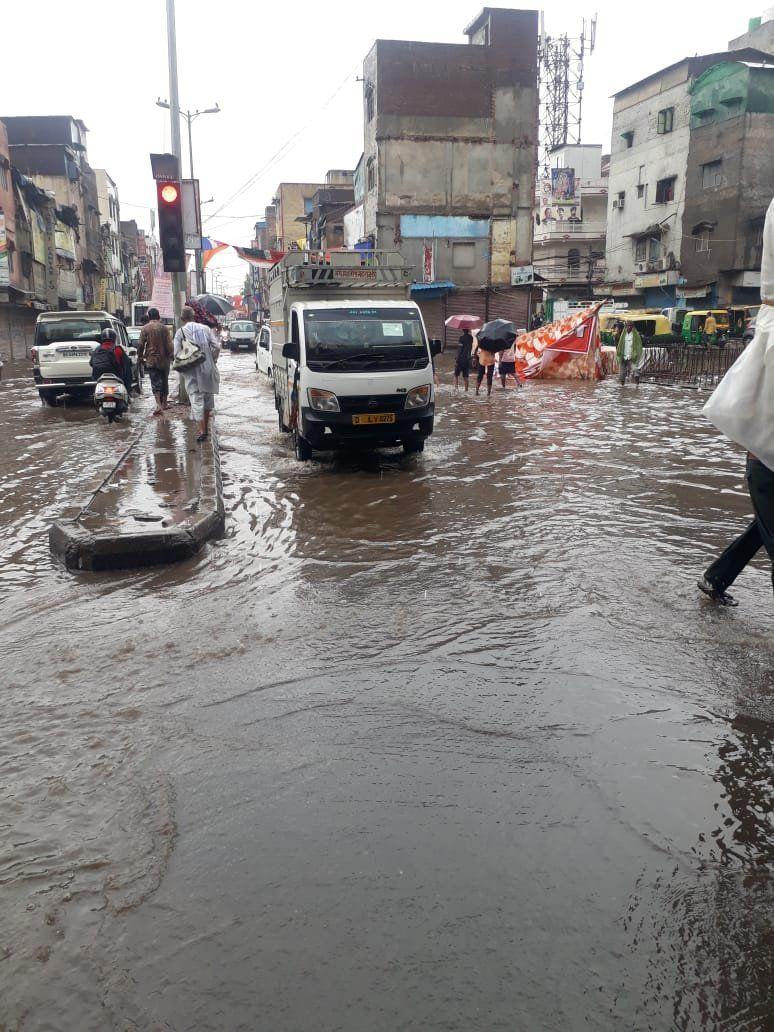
(462, 364)
(494, 336)
(466, 323)
(486, 366)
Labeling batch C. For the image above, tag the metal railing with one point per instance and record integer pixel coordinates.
(699, 366)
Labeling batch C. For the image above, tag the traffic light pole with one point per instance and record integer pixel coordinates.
(178, 279)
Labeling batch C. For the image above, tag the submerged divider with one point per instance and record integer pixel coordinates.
(113, 545)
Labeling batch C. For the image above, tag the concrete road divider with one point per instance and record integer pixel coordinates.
(159, 504)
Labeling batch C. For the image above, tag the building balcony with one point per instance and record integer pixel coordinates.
(549, 232)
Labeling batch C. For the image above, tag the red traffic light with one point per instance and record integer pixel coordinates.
(169, 193)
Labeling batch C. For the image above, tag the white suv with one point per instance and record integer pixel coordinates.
(63, 345)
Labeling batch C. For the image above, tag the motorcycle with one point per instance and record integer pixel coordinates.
(111, 398)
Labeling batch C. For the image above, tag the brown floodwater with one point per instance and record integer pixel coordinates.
(441, 743)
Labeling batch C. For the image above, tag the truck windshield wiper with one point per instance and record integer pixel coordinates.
(346, 358)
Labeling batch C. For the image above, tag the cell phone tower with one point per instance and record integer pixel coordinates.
(560, 81)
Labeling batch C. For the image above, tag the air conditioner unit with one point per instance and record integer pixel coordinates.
(641, 267)
(663, 264)
(618, 203)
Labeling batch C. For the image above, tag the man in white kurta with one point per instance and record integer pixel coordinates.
(743, 408)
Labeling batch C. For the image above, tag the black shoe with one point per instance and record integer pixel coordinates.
(715, 593)
(202, 437)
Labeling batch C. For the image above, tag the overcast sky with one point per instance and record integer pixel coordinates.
(285, 76)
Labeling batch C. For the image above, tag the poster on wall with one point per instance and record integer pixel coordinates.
(553, 210)
(5, 278)
(428, 271)
(563, 186)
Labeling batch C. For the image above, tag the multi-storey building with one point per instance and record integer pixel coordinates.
(292, 202)
(325, 222)
(649, 183)
(569, 236)
(450, 155)
(51, 150)
(111, 291)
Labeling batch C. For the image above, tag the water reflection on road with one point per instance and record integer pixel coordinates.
(439, 743)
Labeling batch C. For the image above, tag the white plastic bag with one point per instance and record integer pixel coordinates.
(742, 405)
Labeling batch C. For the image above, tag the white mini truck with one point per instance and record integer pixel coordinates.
(351, 359)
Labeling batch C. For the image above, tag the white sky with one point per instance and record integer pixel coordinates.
(273, 68)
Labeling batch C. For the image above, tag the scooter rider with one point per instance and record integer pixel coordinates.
(110, 357)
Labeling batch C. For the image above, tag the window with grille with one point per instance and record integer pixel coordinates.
(369, 99)
(370, 174)
(665, 190)
(641, 249)
(573, 258)
(703, 241)
(712, 174)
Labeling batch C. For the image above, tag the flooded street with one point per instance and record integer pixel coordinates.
(441, 743)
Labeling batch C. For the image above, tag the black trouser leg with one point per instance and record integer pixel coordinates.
(480, 374)
(733, 560)
(760, 481)
(727, 567)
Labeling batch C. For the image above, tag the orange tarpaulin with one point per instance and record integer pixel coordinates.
(568, 349)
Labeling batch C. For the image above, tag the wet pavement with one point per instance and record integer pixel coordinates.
(440, 743)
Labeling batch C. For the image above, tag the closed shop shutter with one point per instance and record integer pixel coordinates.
(511, 304)
(433, 311)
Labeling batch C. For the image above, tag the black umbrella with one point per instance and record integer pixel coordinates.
(214, 303)
(497, 335)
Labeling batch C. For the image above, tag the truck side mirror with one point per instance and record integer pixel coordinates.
(436, 346)
(290, 350)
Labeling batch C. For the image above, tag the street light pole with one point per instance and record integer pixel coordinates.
(174, 117)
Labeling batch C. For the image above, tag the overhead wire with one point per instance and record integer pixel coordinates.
(281, 151)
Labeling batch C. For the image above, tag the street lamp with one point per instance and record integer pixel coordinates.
(190, 116)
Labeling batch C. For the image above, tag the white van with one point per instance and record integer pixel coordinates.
(350, 370)
(263, 351)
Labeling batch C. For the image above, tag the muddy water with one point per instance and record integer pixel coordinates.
(440, 743)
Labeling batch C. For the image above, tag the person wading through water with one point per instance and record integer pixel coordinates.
(486, 366)
(155, 350)
(202, 382)
(742, 407)
(462, 365)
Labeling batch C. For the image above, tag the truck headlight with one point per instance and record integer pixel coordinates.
(323, 401)
(418, 397)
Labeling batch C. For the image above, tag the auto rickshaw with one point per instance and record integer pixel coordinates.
(648, 325)
(739, 317)
(693, 325)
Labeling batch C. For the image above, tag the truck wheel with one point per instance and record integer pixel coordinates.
(48, 397)
(413, 447)
(302, 448)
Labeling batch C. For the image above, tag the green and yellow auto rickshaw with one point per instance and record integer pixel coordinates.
(693, 325)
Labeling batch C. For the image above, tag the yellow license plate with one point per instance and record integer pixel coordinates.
(369, 418)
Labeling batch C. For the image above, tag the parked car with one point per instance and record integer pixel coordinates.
(63, 345)
(263, 352)
(242, 334)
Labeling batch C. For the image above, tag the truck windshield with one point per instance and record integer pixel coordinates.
(65, 331)
(358, 338)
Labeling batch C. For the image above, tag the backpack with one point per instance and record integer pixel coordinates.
(104, 360)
